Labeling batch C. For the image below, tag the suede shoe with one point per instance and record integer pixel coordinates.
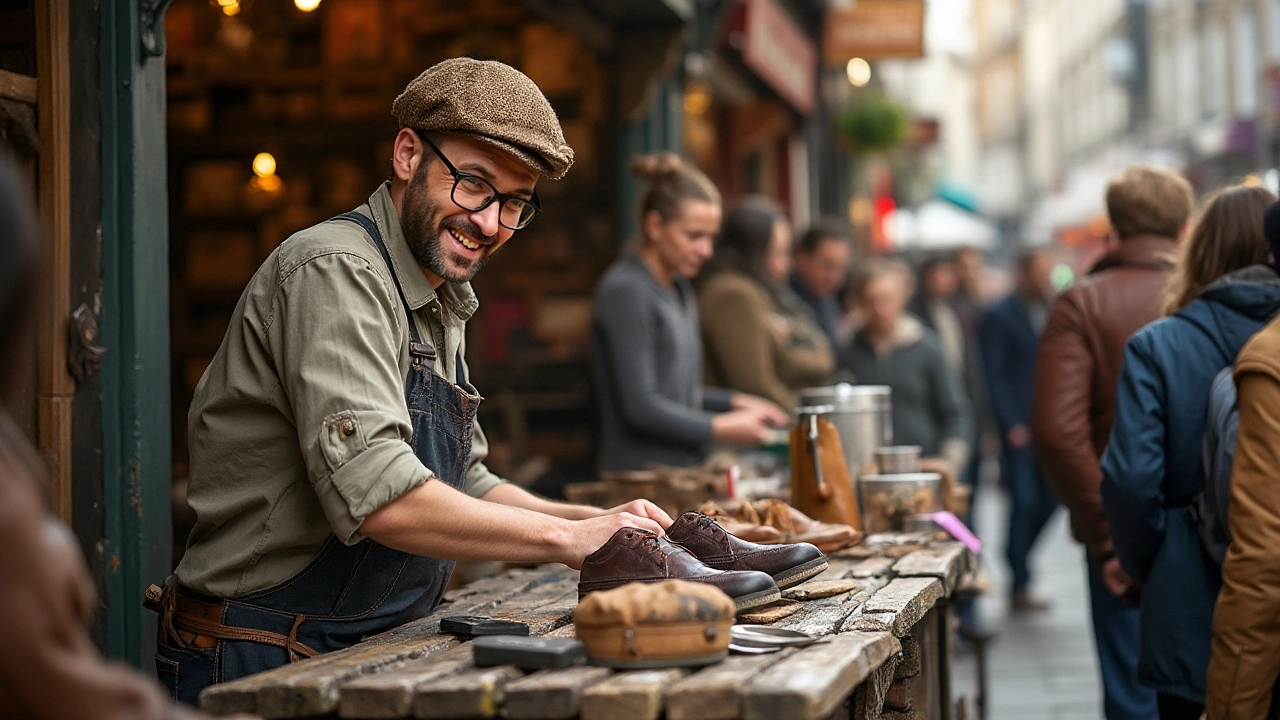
(635, 555)
(788, 565)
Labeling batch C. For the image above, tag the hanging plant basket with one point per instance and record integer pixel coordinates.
(873, 123)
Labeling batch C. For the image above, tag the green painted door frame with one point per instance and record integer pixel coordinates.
(135, 321)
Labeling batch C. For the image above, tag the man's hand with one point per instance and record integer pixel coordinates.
(745, 427)
(1018, 437)
(590, 535)
(1116, 580)
(769, 411)
(644, 509)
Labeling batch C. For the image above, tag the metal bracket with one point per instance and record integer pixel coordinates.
(151, 24)
(83, 357)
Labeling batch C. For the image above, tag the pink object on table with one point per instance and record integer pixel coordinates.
(958, 530)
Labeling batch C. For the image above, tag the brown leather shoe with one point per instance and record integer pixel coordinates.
(788, 565)
(634, 555)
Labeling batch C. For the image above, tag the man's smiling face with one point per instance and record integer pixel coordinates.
(451, 242)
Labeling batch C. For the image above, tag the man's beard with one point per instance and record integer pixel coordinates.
(423, 229)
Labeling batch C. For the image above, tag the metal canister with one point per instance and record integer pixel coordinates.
(862, 415)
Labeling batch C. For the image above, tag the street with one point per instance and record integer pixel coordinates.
(1041, 666)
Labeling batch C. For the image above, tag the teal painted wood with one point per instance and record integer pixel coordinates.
(661, 129)
(135, 331)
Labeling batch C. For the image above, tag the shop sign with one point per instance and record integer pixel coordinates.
(874, 30)
(781, 54)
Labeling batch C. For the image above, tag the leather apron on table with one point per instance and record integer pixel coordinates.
(347, 592)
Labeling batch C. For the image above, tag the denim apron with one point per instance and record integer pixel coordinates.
(348, 592)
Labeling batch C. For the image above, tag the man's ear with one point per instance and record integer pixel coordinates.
(406, 154)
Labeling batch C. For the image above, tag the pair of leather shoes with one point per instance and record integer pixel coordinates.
(696, 548)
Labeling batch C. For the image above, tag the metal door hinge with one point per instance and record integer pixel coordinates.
(83, 357)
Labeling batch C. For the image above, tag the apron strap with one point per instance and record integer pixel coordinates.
(416, 346)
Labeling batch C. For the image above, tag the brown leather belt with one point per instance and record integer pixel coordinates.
(190, 621)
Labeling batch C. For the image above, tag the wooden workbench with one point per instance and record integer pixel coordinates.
(886, 656)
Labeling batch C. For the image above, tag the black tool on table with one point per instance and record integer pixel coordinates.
(528, 653)
(477, 625)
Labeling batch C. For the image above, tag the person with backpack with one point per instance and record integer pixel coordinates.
(1219, 295)
(1245, 659)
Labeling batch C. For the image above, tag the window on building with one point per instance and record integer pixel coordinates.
(1246, 62)
(1215, 77)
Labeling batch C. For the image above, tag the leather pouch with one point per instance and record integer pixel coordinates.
(674, 623)
(820, 483)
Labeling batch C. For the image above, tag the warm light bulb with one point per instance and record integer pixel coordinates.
(307, 5)
(859, 72)
(264, 165)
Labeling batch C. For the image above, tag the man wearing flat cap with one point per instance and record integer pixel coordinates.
(337, 469)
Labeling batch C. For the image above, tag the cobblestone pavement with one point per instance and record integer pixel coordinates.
(1042, 665)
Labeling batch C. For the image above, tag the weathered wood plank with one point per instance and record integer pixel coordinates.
(636, 695)
(909, 663)
(825, 616)
(868, 700)
(15, 86)
(813, 682)
(947, 562)
(310, 687)
(715, 693)
(818, 589)
(873, 567)
(770, 613)
(473, 693)
(389, 693)
(900, 604)
(551, 694)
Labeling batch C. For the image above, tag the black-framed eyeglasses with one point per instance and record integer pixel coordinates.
(474, 193)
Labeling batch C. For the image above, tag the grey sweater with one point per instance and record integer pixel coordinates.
(647, 359)
(928, 408)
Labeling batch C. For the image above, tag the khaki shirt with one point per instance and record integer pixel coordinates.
(319, 336)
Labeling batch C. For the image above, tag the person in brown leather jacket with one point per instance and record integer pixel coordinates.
(1077, 370)
(49, 667)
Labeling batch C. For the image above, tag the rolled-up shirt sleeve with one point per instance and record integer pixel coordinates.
(336, 336)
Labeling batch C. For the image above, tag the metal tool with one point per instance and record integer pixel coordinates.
(764, 636)
(817, 456)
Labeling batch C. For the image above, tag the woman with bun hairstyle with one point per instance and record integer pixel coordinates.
(759, 337)
(646, 350)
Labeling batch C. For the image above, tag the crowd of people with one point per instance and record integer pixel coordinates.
(1114, 398)
(1099, 397)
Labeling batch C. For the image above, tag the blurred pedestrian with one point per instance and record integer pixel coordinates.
(1010, 337)
(821, 271)
(969, 302)
(1219, 296)
(759, 338)
(932, 305)
(646, 348)
(1074, 404)
(49, 667)
(894, 348)
(1245, 660)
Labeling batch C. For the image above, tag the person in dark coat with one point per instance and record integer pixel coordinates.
(1009, 335)
(894, 348)
(1152, 465)
(820, 270)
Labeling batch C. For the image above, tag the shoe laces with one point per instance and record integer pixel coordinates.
(650, 544)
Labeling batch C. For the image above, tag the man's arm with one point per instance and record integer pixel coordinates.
(1061, 429)
(435, 520)
(515, 496)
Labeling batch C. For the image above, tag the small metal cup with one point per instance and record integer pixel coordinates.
(898, 459)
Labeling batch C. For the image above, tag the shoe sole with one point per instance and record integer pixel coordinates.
(798, 574)
(745, 602)
(755, 600)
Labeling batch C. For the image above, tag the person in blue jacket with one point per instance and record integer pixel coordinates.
(1009, 338)
(1219, 296)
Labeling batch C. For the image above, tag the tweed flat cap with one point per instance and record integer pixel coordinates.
(489, 101)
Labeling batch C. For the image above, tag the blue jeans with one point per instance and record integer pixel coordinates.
(1115, 632)
(1031, 505)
